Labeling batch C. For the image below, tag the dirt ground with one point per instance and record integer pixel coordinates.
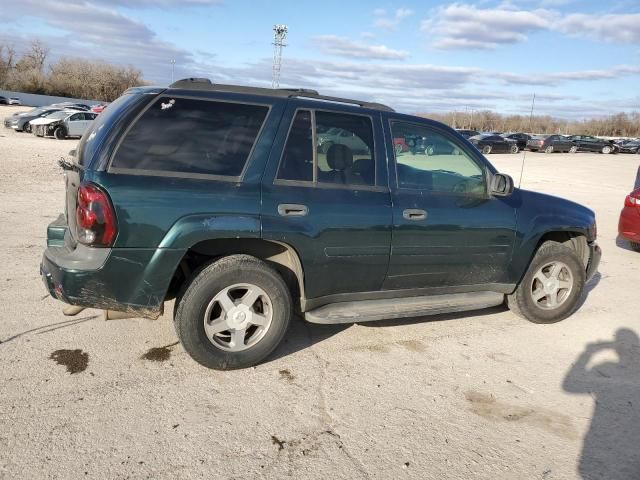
(481, 395)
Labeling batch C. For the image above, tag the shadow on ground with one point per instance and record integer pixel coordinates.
(49, 328)
(610, 448)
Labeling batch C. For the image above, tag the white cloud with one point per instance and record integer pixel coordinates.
(465, 26)
(459, 26)
(610, 28)
(391, 22)
(344, 47)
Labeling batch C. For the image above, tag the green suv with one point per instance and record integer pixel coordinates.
(222, 198)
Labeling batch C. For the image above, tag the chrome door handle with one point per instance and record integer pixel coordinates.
(292, 210)
(414, 214)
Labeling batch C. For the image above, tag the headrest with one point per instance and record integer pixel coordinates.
(339, 157)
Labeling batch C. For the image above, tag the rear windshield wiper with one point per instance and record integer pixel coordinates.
(67, 165)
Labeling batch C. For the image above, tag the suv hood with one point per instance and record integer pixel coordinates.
(559, 212)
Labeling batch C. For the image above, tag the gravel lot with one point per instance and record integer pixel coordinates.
(483, 395)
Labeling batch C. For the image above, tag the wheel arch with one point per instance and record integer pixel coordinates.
(281, 256)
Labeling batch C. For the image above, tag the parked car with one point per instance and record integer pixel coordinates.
(15, 101)
(588, 143)
(400, 145)
(76, 106)
(337, 135)
(630, 146)
(21, 121)
(551, 143)
(214, 195)
(63, 124)
(489, 143)
(98, 108)
(629, 223)
(467, 133)
(4, 100)
(520, 138)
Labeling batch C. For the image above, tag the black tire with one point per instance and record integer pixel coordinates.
(549, 149)
(521, 302)
(205, 285)
(606, 150)
(486, 149)
(60, 133)
(513, 149)
(635, 246)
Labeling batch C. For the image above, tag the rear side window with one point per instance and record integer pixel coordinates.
(192, 136)
(343, 152)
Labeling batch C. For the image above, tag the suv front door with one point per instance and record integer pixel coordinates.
(333, 207)
(448, 231)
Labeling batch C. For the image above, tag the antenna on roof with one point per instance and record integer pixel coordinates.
(279, 35)
(524, 153)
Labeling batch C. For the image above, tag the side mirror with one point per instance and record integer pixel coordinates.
(501, 185)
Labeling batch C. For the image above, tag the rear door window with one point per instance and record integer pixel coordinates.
(190, 136)
(343, 152)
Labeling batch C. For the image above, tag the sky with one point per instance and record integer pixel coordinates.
(581, 58)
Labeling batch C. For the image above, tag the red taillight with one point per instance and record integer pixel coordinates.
(633, 199)
(95, 218)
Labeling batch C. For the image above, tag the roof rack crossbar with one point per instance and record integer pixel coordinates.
(206, 84)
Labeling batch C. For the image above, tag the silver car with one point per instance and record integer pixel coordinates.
(63, 124)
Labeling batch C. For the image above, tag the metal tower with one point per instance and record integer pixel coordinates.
(279, 35)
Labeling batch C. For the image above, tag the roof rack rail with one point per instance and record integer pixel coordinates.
(206, 84)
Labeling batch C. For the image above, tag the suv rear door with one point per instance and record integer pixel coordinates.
(333, 207)
(448, 231)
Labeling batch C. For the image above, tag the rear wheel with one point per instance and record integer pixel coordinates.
(486, 149)
(233, 313)
(549, 149)
(514, 149)
(606, 149)
(573, 149)
(552, 286)
(26, 127)
(60, 133)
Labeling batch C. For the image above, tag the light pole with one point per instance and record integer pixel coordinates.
(173, 69)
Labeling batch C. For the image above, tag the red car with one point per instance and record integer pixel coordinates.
(629, 225)
(98, 108)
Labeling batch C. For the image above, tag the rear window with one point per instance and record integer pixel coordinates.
(191, 136)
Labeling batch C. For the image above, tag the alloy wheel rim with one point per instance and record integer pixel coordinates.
(238, 317)
(551, 285)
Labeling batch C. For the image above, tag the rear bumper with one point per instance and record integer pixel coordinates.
(131, 280)
(629, 224)
(595, 253)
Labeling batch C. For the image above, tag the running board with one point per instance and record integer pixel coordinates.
(386, 309)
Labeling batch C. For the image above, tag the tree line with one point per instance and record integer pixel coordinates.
(615, 125)
(66, 77)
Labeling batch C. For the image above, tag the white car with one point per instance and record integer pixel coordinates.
(62, 124)
(14, 101)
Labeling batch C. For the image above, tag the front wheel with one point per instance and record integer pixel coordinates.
(26, 127)
(60, 133)
(233, 313)
(514, 149)
(573, 149)
(549, 149)
(552, 286)
(606, 149)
